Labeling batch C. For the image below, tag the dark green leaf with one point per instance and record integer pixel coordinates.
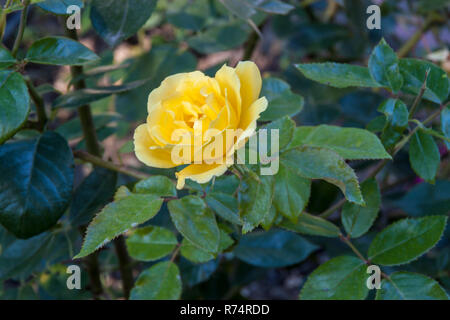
(445, 124)
(161, 281)
(196, 255)
(117, 20)
(320, 163)
(6, 59)
(195, 222)
(81, 97)
(273, 249)
(151, 243)
(397, 115)
(91, 195)
(35, 184)
(406, 240)
(424, 156)
(384, 68)
(311, 225)
(59, 51)
(282, 102)
(275, 6)
(59, 6)
(410, 286)
(157, 185)
(341, 278)
(349, 143)
(285, 127)
(127, 211)
(413, 71)
(356, 219)
(15, 103)
(225, 205)
(338, 75)
(255, 200)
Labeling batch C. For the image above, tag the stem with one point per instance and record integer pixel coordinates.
(40, 105)
(416, 102)
(85, 156)
(124, 265)
(347, 241)
(23, 22)
(250, 46)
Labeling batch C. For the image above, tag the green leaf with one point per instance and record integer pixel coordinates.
(273, 249)
(255, 200)
(72, 129)
(81, 97)
(445, 124)
(320, 163)
(231, 35)
(35, 184)
(338, 75)
(357, 220)
(426, 199)
(349, 143)
(341, 278)
(59, 6)
(406, 240)
(275, 6)
(126, 212)
(157, 185)
(282, 101)
(424, 156)
(384, 66)
(6, 59)
(396, 114)
(91, 195)
(311, 225)
(59, 51)
(195, 222)
(151, 243)
(117, 20)
(161, 281)
(225, 205)
(189, 15)
(269, 219)
(413, 71)
(410, 286)
(193, 273)
(285, 127)
(15, 103)
(291, 192)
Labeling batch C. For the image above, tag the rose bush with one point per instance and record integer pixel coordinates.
(197, 111)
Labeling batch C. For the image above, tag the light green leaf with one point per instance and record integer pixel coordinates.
(410, 286)
(269, 219)
(285, 127)
(291, 192)
(36, 183)
(406, 240)
(195, 222)
(356, 219)
(273, 248)
(117, 20)
(281, 100)
(6, 59)
(413, 71)
(349, 143)
(81, 97)
(255, 200)
(225, 205)
(126, 212)
(338, 75)
(320, 163)
(15, 103)
(157, 185)
(151, 243)
(311, 225)
(341, 278)
(59, 51)
(161, 281)
(384, 68)
(424, 156)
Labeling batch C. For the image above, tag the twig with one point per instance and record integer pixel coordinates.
(40, 105)
(347, 241)
(416, 102)
(22, 24)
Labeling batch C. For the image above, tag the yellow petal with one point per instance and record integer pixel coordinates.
(230, 87)
(251, 82)
(200, 173)
(148, 152)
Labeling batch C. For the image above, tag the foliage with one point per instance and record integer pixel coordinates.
(345, 193)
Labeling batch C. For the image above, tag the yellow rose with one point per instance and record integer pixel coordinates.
(204, 110)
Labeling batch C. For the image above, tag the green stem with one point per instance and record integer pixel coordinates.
(40, 105)
(125, 265)
(23, 22)
(416, 102)
(347, 241)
